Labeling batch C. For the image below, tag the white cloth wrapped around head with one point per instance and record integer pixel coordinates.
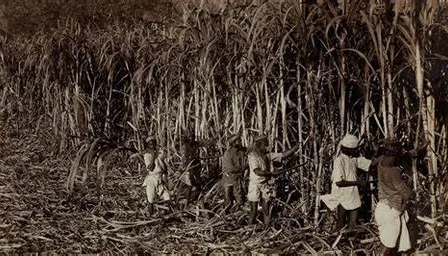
(350, 141)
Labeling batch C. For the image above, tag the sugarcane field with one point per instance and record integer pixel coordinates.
(253, 127)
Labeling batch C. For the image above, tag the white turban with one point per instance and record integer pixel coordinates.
(350, 141)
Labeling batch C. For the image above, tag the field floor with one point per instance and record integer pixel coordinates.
(38, 215)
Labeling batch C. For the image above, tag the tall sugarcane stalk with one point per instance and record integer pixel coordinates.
(424, 112)
(176, 79)
(302, 182)
(426, 108)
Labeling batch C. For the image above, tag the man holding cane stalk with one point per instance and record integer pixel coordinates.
(391, 215)
(259, 160)
(345, 197)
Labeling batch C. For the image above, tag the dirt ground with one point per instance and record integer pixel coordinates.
(39, 216)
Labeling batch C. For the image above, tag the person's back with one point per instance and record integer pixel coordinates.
(390, 213)
(392, 188)
(232, 161)
(190, 186)
(190, 153)
(233, 171)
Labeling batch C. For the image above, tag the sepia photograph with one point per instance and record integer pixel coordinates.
(224, 127)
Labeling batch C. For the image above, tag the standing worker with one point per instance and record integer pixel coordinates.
(191, 166)
(155, 173)
(233, 172)
(344, 195)
(191, 181)
(393, 194)
(259, 160)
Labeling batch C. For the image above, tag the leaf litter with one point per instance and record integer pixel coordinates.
(38, 215)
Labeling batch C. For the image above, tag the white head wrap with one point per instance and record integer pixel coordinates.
(350, 141)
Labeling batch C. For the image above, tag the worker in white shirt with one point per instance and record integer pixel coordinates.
(155, 171)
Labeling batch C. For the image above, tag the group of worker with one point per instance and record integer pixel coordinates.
(393, 193)
(235, 161)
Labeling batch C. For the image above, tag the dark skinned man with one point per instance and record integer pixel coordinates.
(155, 171)
(233, 167)
(259, 160)
(393, 194)
(344, 190)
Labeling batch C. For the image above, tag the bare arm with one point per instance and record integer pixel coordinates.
(260, 172)
(289, 152)
(417, 152)
(240, 169)
(345, 183)
(375, 161)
